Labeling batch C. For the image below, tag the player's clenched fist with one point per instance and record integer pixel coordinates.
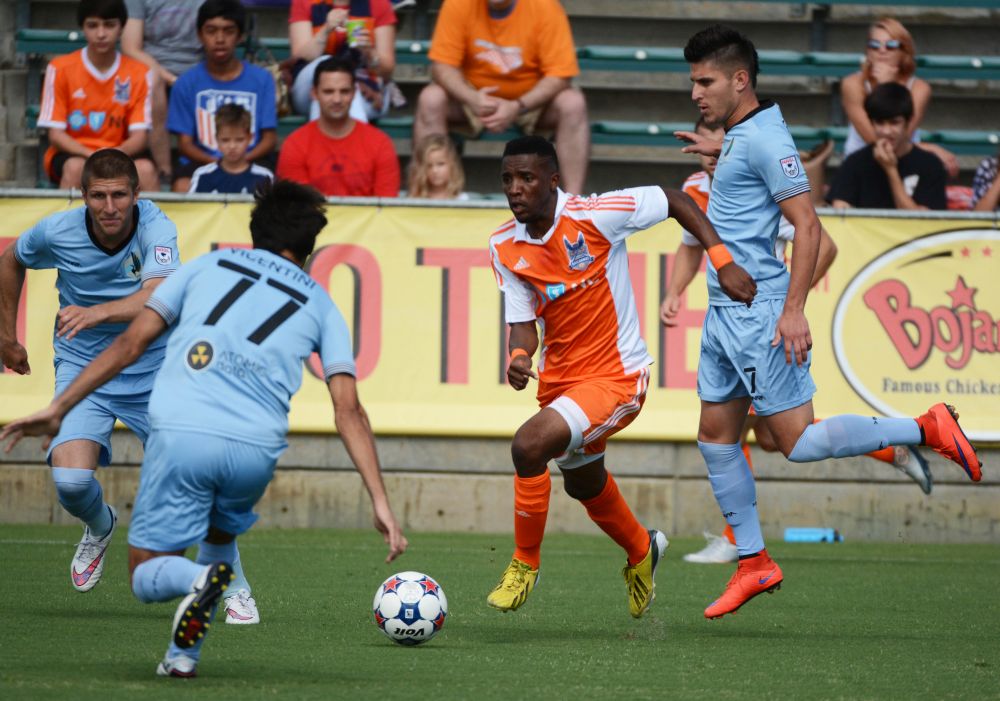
(520, 370)
(737, 283)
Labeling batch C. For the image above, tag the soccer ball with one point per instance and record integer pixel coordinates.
(410, 608)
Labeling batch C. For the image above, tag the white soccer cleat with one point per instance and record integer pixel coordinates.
(88, 562)
(241, 609)
(718, 550)
(181, 666)
(910, 462)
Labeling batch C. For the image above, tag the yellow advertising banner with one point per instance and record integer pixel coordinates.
(908, 315)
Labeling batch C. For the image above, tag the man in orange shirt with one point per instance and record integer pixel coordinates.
(500, 63)
(96, 98)
(562, 263)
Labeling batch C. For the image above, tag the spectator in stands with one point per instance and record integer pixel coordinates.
(96, 98)
(436, 170)
(233, 173)
(362, 31)
(337, 154)
(220, 79)
(891, 173)
(162, 34)
(496, 64)
(986, 186)
(890, 57)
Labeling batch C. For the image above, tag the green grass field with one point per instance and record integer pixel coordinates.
(852, 621)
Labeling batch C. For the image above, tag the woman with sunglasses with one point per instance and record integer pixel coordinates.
(890, 56)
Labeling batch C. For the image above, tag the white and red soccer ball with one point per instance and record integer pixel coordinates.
(410, 608)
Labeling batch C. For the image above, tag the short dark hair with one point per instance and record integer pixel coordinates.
(888, 101)
(226, 9)
(725, 46)
(104, 9)
(108, 164)
(533, 145)
(333, 65)
(287, 216)
(232, 115)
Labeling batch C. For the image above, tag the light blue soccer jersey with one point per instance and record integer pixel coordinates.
(90, 274)
(246, 320)
(758, 168)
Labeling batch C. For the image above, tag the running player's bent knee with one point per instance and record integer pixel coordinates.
(530, 456)
(813, 444)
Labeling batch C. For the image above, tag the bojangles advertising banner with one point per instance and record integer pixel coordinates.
(908, 315)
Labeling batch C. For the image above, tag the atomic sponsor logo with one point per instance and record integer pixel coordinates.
(921, 324)
(200, 355)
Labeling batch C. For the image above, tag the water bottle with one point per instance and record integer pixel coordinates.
(812, 535)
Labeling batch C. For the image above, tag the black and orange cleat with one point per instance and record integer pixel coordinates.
(939, 430)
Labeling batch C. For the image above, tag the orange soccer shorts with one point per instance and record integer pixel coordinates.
(595, 410)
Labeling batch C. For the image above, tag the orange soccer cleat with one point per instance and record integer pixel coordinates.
(939, 430)
(754, 575)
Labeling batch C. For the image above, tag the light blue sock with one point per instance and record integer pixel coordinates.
(211, 552)
(164, 578)
(733, 485)
(81, 495)
(848, 434)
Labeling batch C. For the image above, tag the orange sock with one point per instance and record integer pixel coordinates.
(884, 455)
(531, 508)
(609, 511)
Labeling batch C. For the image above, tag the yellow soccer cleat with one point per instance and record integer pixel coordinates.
(639, 578)
(515, 584)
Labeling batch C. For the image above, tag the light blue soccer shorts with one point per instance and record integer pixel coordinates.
(124, 397)
(192, 480)
(737, 359)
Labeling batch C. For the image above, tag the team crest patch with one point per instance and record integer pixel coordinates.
(163, 255)
(96, 120)
(76, 120)
(554, 292)
(132, 265)
(200, 355)
(791, 166)
(579, 255)
(123, 90)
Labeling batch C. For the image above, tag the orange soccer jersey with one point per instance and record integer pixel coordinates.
(575, 281)
(97, 109)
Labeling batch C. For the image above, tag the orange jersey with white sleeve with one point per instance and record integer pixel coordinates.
(98, 109)
(575, 282)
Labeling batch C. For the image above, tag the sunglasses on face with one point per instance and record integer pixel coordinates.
(889, 44)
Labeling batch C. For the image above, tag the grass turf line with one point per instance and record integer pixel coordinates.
(853, 620)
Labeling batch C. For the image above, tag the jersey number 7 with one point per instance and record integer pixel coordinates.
(249, 279)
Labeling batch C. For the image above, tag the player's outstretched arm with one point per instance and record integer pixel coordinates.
(12, 354)
(699, 144)
(792, 325)
(522, 345)
(734, 280)
(72, 319)
(685, 267)
(352, 424)
(120, 354)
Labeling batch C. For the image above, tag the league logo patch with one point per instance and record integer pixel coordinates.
(200, 355)
(163, 255)
(554, 292)
(96, 120)
(123, 90)
(579, 255)
(76, 120)
(791, 166)
(132, 265)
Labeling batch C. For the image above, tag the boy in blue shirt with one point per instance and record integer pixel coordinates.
(110, 255)
(760, 354)
(220, 79)
(244, 322)
(233, 173)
